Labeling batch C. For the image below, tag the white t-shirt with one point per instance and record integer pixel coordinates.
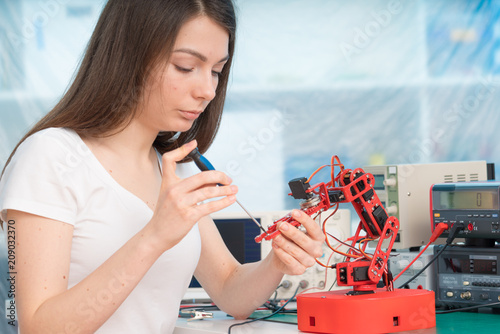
(53, 174)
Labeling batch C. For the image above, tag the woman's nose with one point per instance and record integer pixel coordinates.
(206, 86)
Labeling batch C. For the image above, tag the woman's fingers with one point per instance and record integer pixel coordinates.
(197, 195)
(296, 249)
(210, 207)
(312, 228)
(311, 241)
(170, 159)
(296, 259)
(192, 191)
(292, 266)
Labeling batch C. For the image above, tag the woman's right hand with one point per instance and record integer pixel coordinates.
(181, 201)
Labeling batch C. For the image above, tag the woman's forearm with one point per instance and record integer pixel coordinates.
(249, 286)
(87, 305)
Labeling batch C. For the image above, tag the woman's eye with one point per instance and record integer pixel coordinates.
(182, 69)
(216, 74)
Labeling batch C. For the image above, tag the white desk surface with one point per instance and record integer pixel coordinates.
(220, 323)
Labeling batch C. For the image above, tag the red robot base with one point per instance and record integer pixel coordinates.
(337, 312)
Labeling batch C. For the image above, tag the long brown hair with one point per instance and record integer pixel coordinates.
(130, 38)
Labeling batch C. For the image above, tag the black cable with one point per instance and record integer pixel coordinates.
(207, 307)
(335, 281)
(272, 306)
(272, 301)
(467, 308)
(267, 316)
(457, 227)
(424, 268)
(276, 292)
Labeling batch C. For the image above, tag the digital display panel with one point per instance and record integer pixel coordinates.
(469, 266)
(456, 265)
(484, 266)
(466, 199)
(379, 181)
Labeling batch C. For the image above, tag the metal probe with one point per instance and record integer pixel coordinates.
(203, 164)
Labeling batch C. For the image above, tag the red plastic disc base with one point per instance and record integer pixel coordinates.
(381, 312)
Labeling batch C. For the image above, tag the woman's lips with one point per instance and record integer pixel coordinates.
(191, 114)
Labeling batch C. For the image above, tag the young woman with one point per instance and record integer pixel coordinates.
(110, 224)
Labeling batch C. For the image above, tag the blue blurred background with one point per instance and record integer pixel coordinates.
(373, 81)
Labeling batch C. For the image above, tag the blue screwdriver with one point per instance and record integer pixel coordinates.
(203, 164)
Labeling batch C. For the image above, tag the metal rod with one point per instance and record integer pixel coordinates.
(250, 215)
(203, 164)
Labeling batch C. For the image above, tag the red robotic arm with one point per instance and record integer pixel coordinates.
(360, 270)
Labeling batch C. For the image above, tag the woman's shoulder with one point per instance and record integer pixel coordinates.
(51, 135)
(49, 141)
(40, 178)
(48, 147)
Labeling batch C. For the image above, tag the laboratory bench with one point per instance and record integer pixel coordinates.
(448, 323)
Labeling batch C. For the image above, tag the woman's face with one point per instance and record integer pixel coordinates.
(179, 91)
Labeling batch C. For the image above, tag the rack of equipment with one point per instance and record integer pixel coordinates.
(404, 191)
(467, 275)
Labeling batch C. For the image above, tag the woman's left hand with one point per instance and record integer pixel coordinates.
(295, 250)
